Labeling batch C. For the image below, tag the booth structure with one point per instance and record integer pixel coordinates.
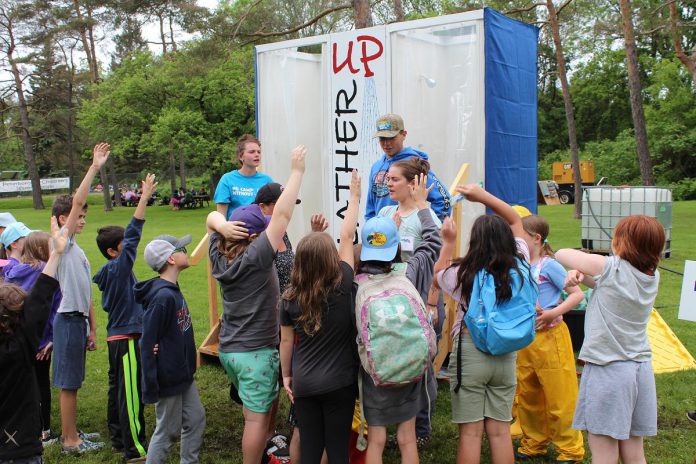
(465, 85)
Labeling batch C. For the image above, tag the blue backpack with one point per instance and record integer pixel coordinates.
(502, 327)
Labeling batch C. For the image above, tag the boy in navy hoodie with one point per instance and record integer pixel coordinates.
(169, 353)
(391, 135)
(125, 324)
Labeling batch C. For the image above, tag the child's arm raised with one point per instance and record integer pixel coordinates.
(449, 242)
(148, 187)
(474, 192)
(99, 157)
(350, 221)
(286, 203)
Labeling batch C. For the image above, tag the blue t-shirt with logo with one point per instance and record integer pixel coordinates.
(237, 190)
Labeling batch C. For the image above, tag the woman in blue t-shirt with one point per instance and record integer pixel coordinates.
(238, 188)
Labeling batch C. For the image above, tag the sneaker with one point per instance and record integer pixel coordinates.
(48, 438)
(691, 415)
(88, 435)
(277, 446)
(522, 457)
(85, 446)
(138, 459)
(274, 460)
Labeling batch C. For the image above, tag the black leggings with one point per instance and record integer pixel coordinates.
(325, 422)
(43, 378)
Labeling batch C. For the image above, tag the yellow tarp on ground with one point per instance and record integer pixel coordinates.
(669, 354)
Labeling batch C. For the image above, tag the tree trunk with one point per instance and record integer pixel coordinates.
(636, 98)
(24, 122)
(171, 34)
(568, 103)
(172, 170)
(182, 169)
(688, 61)
(105, 190)
(94, 77)
(93, 48)
(162, 34)
(399, 11)
(111, 172)
(363, 13)
(69, 137)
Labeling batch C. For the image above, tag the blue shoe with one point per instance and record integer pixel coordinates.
(522, 457)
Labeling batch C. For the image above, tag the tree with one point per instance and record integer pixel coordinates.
(567, 101)
(689, 61)
(634, 86)
(12, 17)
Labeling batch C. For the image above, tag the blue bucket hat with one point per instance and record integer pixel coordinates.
(14, 232)
(380, 239)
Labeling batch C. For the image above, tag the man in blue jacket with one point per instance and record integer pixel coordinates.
(391, 134)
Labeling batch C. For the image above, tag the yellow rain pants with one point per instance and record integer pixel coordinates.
(548, 390)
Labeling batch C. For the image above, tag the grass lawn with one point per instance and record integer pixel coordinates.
(675, 442)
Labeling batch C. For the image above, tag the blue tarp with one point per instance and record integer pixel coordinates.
(511, 109)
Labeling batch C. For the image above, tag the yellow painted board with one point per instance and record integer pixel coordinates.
(668, 352)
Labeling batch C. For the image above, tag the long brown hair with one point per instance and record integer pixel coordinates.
(534, 225)
(639, 240)
(11, 306)
(231, 249)
(36, 250)
(316, 272)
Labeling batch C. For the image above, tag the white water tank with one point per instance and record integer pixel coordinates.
(603, 207)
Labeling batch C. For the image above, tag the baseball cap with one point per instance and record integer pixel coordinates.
(522, 211)
(270, 193)
(380, 239)
(158, 251)
(389, 126)
(14, 232)
(6, 219)
(252, 217)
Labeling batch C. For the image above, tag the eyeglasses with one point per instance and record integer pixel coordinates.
(180, 249)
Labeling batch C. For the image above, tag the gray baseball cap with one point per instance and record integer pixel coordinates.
(158, 251)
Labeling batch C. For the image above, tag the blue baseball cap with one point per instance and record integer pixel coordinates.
(6, 219)
(380, 239)
(14, 232)
(252, 217)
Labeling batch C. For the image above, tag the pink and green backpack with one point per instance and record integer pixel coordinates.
(396, 341)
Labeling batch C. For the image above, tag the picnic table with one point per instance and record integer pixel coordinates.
(197, 201)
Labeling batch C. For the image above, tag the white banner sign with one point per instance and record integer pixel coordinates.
(687, 304)
(10, 186)
(357, 97)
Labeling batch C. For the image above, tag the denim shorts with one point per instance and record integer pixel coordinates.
(255, 374)
(69, 349)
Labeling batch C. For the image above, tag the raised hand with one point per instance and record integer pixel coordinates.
(448, 230)
(419, 191)
(318, 222)
(148, 186)
(472, 192)
(59, 236)
(100, 154)
(355, 190)
(297, 159)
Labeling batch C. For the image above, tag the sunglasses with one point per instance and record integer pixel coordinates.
(180, 249)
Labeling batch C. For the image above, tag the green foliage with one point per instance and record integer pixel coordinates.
(685, 189)
(615, 159)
